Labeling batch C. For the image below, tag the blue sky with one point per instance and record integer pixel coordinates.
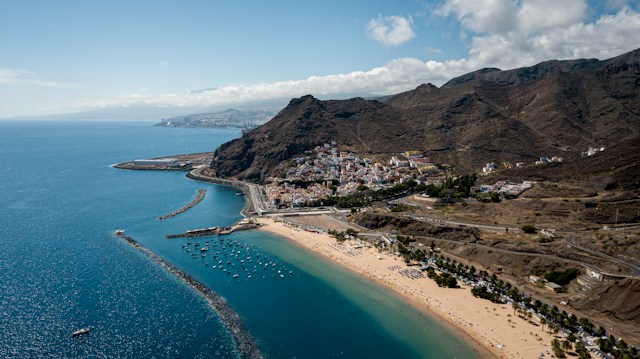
(64, 56)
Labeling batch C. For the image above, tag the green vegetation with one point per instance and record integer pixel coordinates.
(562, 277)
(443, 279)
(409, 254)
(484, 293)
(458, 187)
(342, 236)
(551, 316)
(400, 208)
(617, 347)
(527, 228)
(557, 350)
(583, 352)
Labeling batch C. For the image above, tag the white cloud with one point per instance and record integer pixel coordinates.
(396, 76)
(540, 32)
(510, 33)
(506, 16)
(25, 77)
(482, 15)
(391, 30)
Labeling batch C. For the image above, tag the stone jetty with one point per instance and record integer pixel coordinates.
(201, 232)
(243, 225)
(201, 194)
(245, 343)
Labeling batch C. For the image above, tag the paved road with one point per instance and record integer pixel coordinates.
(492, 227)
(635, 270)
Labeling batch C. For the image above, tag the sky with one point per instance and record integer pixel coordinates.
(80, 55)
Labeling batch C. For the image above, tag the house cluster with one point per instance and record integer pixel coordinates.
(330, 172)
(414, 160)
(544, 160)
(503, 187)
(489, 167)
(492, 166)
(592, 151)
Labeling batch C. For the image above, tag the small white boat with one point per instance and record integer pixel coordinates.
(81, 331)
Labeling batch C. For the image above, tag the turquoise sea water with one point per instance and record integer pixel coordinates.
(61, 268)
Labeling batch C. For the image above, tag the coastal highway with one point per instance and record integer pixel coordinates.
(635, 270)
(491, 227)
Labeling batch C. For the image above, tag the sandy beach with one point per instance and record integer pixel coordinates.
(493, 329)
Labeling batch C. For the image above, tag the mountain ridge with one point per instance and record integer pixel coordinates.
(555, 108)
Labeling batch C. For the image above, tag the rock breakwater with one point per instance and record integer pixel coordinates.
(245, 343)
(201, 194)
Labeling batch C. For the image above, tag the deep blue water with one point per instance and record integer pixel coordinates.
(61, 268)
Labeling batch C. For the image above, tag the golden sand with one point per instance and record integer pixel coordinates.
(493, 328)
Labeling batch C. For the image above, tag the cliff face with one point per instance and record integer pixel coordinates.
(556, 108)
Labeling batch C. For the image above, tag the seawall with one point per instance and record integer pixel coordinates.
(249, 206)
(245, 343)
(201, 194)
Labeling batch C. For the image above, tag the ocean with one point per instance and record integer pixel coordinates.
(62, 269)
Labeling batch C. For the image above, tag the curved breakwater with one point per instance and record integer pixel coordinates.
(201, 194)
(245, 343)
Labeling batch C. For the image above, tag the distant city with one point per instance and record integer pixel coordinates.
(230, 118)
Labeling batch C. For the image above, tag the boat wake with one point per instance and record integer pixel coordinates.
(245, 343)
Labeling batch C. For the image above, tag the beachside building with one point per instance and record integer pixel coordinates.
(553, 286)
(412, 154)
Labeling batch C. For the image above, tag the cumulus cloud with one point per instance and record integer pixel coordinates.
(508, 16)
(510, 33)
(396, 76)
(391, 30)
(501, 33)
(25, 77)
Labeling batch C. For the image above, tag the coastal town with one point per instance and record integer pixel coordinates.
(324, 172)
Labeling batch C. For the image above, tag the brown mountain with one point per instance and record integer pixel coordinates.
(555, 108)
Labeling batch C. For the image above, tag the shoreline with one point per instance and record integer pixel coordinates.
(249, 206)
(245, 343)
(490, 329)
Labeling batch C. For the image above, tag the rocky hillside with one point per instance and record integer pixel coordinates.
(555, 108)
(615, 168)
(621, 299)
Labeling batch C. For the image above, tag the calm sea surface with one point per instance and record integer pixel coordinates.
(61, 268)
